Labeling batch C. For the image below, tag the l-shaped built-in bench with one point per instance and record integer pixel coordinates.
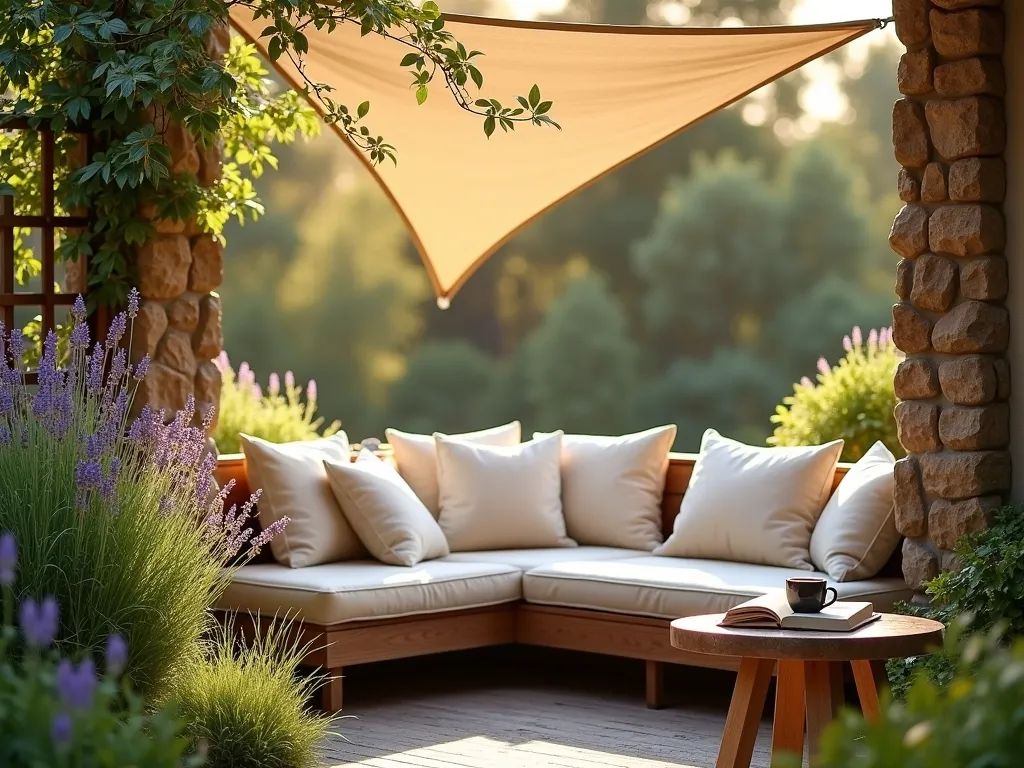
(597, 599)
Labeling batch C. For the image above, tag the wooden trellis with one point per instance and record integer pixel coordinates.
(47, 222)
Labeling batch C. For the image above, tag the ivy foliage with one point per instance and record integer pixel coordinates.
(126, 72)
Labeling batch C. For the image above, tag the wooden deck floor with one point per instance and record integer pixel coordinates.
(529, 708)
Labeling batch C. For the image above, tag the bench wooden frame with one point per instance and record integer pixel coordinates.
(637, 637)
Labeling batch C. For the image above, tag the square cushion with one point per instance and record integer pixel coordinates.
(612, 487)
(753, 505)
(294, 484)
(671, 588)
(416, 456)
(856, 534)
(501, 497)
(389, 519)
(358, 590)
(528, 559)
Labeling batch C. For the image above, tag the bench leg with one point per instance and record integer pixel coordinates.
(331, 692)
(655, 684)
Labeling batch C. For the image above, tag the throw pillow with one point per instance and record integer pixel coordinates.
(856, 534)
(501, 497)
(294, 484)
(416, 456)
(612, 487)
(753, 505)
(380, 506)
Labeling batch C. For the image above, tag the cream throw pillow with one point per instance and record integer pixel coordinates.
(295, 486)
(612, 487)
(380, 506)
(501, 497)
(416, 456)
(856, 534)
(753, 505)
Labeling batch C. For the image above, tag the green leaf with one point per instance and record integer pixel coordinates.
(363, 109)
(431, 7)
(274, 49)
(534, 96)
(482, 103)
(421, 94)
(300, 43)
(543, 107)
(477, 77)
(488, 127)
(409, 59)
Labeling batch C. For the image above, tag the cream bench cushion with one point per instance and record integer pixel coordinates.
(671, 587)
(527, 559)
(357, 590)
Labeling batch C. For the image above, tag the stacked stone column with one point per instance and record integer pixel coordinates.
(949, 132)
(179, 269)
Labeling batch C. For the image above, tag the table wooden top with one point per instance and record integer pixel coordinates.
(892, 636)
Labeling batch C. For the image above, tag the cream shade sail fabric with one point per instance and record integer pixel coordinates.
(617, 91)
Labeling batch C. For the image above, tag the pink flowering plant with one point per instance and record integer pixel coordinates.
(118, 518)
(58, 712)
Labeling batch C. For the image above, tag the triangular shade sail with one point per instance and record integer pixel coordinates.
(617, 92)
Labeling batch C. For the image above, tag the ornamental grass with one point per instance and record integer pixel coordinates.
(117, 519)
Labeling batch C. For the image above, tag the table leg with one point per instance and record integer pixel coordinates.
(823, 683)
(788, 730)
(871, 679)
(745, 710)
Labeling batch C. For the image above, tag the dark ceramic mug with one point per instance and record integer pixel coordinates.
(809, 594)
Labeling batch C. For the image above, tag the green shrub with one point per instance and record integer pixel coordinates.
(989, 586)
(246, 703)
(119, 523)
(55, 712)
(977, 721)
(278, 415)
(853, 400)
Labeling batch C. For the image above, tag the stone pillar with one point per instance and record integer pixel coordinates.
(179, 269)
(949, 133)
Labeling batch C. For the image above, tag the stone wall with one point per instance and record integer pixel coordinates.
(949, 133)
(178, 271)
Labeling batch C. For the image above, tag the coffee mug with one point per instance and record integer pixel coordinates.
(808, 594)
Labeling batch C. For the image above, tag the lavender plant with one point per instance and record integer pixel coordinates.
(55, 712)
(118, 519)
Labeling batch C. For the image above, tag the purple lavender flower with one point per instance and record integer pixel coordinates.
(5, 435)
(289, 380)
(8, 559)
(269, 533)
(118, 368)
(873, 340)
(806, 382)
(311, 391)
(76, 686)
(89, 474)
(117, 655)
(141, 368)
(222, 362)
(165, 507)
(847, 344)
(39, 622)
(133, 303)
(118, 326)
(61, 729)
(204, 478)
(858, 339)
(17, 347)
(78, 310)
(257, 392)
(274, 385)
(80, 335)
(94, 379)
(245, 375)
(823, 366)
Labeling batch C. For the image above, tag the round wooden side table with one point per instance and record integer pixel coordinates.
(810, 674)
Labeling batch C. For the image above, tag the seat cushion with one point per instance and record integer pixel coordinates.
(526, 559)
(671, 587)
(362, 589)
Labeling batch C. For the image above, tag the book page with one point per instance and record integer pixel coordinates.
(773, 603)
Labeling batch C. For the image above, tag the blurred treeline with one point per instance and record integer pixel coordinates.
(693, 286)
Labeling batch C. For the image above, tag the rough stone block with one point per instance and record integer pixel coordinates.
(959, 5)
(933, 183)
(911, 19)
(176, 352)
(908, 498)
(978, 179)
(916, 379)
(163, 388)
(1002, 369)
(909, 233)
(910, 134)
(966, 230)
(911, 331)
(970, 327)
(969, 380)
(162, 266)
(218, 40)
(207, 271)
(181, 142)
(208, 384)
(184, 313)
(972, 32)
(969, 127)
(975, 429)
(162, 226)
(208, 339)
(985, 279)
(956, 475)
(949, 521)
(914, 76)
(917, 425)
(150, 324)
(935, 282)
(904, 278)
(970, 77)
(909, 188)
(920, 565)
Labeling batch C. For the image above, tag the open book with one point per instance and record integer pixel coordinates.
(772, 610)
